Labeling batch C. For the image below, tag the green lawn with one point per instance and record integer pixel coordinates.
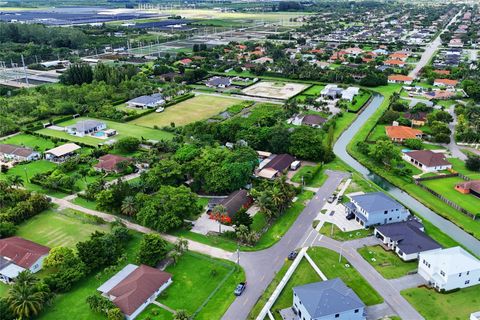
(54, 229)
(3, 289)
(340, 235)
(317, 179)
(451, 306)
(342, 123)
(31, 141)
(313, 90)
(327, 261)
(459, 166)
(197, 108)
(304, 274)
(89, 204)
(377, 133)
(195, 277)
(359, 100)
(446, 187)
(124, 107)
(387, 263)
(154, 312)
(123, 130)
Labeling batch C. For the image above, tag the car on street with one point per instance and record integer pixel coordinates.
(292, 255)
(331, 198)
(240, 288)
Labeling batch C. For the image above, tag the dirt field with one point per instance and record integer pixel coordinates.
(275, 90)
(194, 109)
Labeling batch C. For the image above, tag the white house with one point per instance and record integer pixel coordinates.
(10, 152)
(327, 300)
(17, 255)
(449, 269)
(350, 93)
(145, 102)
(85, 127)
(133, 288)
(427, 160)
(400, 78)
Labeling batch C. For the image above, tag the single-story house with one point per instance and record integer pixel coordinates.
(445, 83)
(62, 152)
(449, 269)
(402, 56)
(331, 91)
(12, 152)
(402, 133)
(407, 239)
(218, 82)
(148, 101)
(327, 300)
(400, 78)
(394, 63)
(185, 61)
(417, 119)
(274, 166)
(17, 255)
(109, 162)
(133, 288)
(472, 187)
(85, 127)
(262, 60)
(233, 203)
(313, 120)
(427, 160)
(350, 93)
(376, 208)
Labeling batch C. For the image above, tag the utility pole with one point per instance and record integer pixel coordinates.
(25, 70)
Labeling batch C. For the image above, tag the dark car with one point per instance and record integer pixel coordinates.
(351, 216)
(340, 198)
(240, 288)
(292, 255)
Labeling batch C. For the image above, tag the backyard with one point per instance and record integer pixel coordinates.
(198, 108)
(387, 263)
(332, 231)
(30, 141)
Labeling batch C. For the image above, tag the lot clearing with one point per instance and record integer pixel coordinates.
(197, 108)
(275, 90)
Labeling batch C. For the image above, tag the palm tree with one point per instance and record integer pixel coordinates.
(15, 180)
(174, 255)
(181, 245)
(128, 206)
(26, 297)
(181, 315)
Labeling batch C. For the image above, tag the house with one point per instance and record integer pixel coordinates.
(185, 62)
(17, 255)
(407, 239)
(313, 120)
(233, 203)
(10, 152)
(401, 133)
(394, 63)
(62, 152)
(331, 91)
(472, 187)
(350, 93)
(85, 127)
(110, 162)
(274, 166)
(399, 78)
(417, 119)
(399, 56)
(427, 160)
(149, 101)
(455, 43)
(262, 60)
(449, 269)
(133, 288)
(327, 300)
(218, 82)
(376, 208)
(445, 83)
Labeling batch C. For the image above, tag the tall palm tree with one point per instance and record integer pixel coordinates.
(24, 301)
(128, 206)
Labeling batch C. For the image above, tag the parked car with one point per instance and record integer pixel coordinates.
(240, 288)
(331, 198)
(340, 198)
(292, 255)
(160, 109)
(351, 216)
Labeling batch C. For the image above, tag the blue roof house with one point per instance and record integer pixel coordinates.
(327, 300)
(376, 208)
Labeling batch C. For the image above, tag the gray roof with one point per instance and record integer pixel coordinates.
(327, 298)
(376, 201)
(117, 278)
(85, 125)
(409, 236)
(144, 100)
(217, 81)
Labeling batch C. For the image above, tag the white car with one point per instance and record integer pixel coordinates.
(160, 109)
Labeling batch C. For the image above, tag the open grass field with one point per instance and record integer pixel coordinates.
(123, 107)
(197, 108)
(327, 261)
(387, 263)
(123, 130)
(195, 278)
(339, 235)
(436, 306)
(304, 274)
(313, 90)
(53, 229)
(459, 166)
(30, 141)
(446, 186)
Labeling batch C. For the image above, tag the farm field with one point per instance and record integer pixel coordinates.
(275, 90)
(197, 108)
(30, 141)
(387, 263)
(446, 187)
(53, 229)
(123, 130)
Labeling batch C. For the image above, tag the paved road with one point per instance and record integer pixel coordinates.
(389, 292)
(430, 50)
(452, 146)
(261, 266)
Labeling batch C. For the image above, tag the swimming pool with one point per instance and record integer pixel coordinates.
(99, 134)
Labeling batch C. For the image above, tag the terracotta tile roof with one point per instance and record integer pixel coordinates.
(402, 132)
(470, 185)
(446, 82)
(22, 252)
(444, 72)
(137, 287)
(398, 56)
(109, 162)
(394, 62)
(428, 158)
(399, 77)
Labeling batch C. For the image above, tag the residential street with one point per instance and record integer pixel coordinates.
(452, 146)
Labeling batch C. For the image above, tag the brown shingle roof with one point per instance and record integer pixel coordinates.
(137, 287)
(15, 150)
(280, 162)
(428, 158)
(313, 119)
(235, 201)
(109, 162)
(22, 252)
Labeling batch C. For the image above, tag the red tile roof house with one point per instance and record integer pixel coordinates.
(401, 133)
(185, 61)
(17, 255)
(133, 288)
(467, 187)
(394, 62)
(445, 83)
(400, 78)
(427, 161)
(109, 162)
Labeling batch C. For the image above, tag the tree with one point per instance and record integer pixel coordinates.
(473, 163)
(15, 180)
(127, 144)
(308, 143)
(181, 245)
(77, 73)
(152, 249)
(219, 214)
(7, 229)
(165, 172)
(115, 314)
(129, 207)
(175, 256)
(415, 144)
(67, 267)
(242, 218)
(181, 315)
(246, 236)
(384, 151)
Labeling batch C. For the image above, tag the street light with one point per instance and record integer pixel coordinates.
(340, 256)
